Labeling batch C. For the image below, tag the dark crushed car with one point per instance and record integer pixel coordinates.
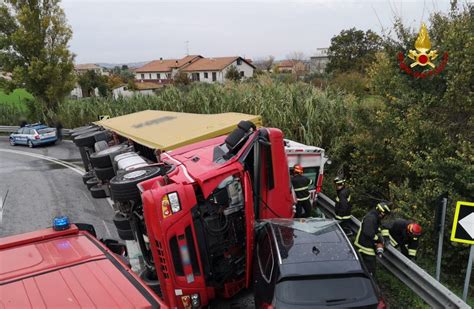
(309, 264)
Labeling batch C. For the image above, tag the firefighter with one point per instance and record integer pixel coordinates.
(301, 186)
(343, 206)
(369, 240)
(403, 234)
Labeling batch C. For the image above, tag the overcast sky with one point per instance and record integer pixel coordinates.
(131, 31)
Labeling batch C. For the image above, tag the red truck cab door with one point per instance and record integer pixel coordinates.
(274, 198)
(250, 220)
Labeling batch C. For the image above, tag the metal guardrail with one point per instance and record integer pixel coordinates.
(417, 279)
(11, 129)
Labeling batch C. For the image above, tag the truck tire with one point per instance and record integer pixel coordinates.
(87, 176)
(83, 128)
(92, 182)
(80, 132)
(102, 158)
(123, 187)
(98, 192)
(124, 229)
(104, 174)
(151, 280)
(100, 145)
(89, 139)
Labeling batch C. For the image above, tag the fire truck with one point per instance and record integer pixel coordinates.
(192, 209)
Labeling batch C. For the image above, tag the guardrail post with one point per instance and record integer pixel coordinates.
(440, 240)
(468, 274)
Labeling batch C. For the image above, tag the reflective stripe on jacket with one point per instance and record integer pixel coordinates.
(301, 186)
(367, 236)
(396, 231)
(343, 207)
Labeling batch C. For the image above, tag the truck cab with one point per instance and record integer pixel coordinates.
(200, 216)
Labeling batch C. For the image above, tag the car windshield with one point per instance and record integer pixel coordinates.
(356, 291)
(312, 226)
(47, 130)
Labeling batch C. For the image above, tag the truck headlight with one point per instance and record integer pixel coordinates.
(174, 202)
(195, 300)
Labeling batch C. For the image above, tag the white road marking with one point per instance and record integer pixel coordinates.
(468, 224)
(2, 204)
(70, 166)
(106, 228)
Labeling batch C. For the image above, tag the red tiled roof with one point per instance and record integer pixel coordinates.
(86, 66)
(166, 65)
(212, 64)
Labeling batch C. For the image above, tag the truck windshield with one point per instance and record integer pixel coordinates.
(344, 291)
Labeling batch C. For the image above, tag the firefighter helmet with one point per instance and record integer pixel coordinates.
(383, 208)
(298, 169)
(414, 229)
(339, 180)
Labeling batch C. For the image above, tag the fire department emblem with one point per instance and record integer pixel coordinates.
(422, 56)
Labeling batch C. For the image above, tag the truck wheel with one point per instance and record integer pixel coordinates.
(100, 145)
(98, 192)
(89, 139)
(87, 176)
(84, 131)
(151, 280)
(123, 187)
(102, 158)
(124, 229)
(83, 128)
(92, 182)
(104, 174)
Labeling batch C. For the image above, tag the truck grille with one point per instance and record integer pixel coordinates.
(162, 260)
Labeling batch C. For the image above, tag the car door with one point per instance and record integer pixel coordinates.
(21, 137)
(264, 268)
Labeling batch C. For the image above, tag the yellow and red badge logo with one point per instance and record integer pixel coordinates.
(422, 56)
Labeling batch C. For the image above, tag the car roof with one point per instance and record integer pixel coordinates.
(36, 126)
(313, 247)
(66, 269)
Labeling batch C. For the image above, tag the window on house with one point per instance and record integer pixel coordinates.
(214, 76)
(206, 75)
(143, 76)
(168, 76)
(239, 61)
(242, 74)
(158, 75)
(149, 76)
(195, 76)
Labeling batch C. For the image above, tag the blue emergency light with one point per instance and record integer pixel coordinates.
(61, 223)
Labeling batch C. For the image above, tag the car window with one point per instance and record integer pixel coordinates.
(46, 130)
(343, 291)
(31, 131)
(265, 256)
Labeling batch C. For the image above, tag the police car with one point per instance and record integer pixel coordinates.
(33, 135)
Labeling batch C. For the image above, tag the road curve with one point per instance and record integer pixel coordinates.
(35, 187)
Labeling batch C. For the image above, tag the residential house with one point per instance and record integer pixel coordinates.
(163, 70)
(291, 66)
(82, 68)
(319, 61)
(142, 88)
(211, 70)
(198, 68)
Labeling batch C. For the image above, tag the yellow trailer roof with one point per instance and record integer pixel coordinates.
(169, 130)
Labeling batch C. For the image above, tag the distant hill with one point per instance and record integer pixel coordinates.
(132, 65)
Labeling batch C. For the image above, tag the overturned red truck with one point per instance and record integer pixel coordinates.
(192, 209)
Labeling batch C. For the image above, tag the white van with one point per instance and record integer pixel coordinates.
(312, 159)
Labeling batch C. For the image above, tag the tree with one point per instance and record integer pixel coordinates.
(182, 78)
(296, 56)
(352, 50)
(90, 80)
(34, 39)
(233, 74)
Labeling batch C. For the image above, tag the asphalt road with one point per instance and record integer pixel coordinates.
(33, 190)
